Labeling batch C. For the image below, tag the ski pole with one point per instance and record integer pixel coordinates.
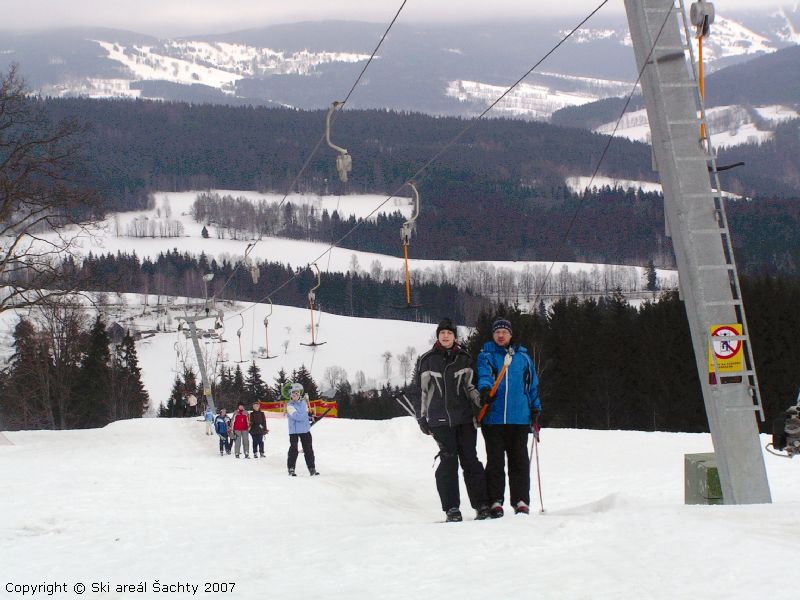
(493, 391)
(319, 418)
(407, 407)
(535, 449)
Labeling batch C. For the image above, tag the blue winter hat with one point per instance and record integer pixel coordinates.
(502, 323)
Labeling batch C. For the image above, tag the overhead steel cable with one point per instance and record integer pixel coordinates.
(321, 139)
(421, 170)
(602, 156)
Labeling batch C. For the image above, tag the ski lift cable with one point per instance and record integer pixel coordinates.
(602, 156)
(324, 135)
(416, 176)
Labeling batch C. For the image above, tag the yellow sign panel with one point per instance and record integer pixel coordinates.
(729, 354)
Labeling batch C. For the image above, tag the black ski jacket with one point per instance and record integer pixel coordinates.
(444, 380)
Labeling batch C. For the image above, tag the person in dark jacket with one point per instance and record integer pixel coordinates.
(258, 429)
(511, 412)
(448, 404)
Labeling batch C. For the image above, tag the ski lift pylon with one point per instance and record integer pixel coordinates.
(344, 162)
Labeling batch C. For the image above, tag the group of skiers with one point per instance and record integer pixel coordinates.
(504, 403)
(233, 431)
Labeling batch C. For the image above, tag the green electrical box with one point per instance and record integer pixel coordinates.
(701, 479)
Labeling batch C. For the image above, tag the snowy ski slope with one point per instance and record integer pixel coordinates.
(150, 499)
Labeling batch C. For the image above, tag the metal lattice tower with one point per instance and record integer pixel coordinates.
(698, 226)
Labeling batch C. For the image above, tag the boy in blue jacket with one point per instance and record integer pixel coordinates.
(299, 430)
(512, 410)
(222, 425)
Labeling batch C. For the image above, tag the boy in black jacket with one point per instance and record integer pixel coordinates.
(448, 402)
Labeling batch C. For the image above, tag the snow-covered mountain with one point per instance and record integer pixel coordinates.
(454, 70)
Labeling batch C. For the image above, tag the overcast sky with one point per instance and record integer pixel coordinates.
(184, 17)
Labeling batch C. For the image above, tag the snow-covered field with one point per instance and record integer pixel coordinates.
(354, 344)
(150, 500)
(110, 237)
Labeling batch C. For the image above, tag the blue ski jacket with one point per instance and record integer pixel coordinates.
(209, 414)
(222, 425)
(518, 391)
(297, 413)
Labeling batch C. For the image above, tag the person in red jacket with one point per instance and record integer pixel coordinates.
(241, 428)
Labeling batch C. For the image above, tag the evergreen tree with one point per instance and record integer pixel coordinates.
(280, 381)
(237, 387)
(254, 387)
(93, 384)
(204, 232)
(303, 377)
(136, 398)
(651, 277)
(174, 401)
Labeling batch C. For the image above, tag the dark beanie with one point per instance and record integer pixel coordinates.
(446, 324)
(501, 323)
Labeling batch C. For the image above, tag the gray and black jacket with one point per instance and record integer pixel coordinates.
(444, 381)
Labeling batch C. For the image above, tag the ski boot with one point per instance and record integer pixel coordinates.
(453, 516)
(247, 455)
(262, 455)
(483, 513)
(312, 471)
(292, 473)
(496, 511)
(521, 508)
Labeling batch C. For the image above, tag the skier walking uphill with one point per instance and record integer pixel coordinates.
(448, 403)
(241, 426)
(512, 410)
(208, 415)
(222, 425)
(258, 428)
(299, 430)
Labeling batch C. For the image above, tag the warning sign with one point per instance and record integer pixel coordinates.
(728, 353)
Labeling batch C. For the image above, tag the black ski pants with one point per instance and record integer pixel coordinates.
(308, 450)
(459, 443)
(510, 440)
(225, 443)
(258, 442)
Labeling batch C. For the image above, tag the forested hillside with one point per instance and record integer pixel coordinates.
(498, 193)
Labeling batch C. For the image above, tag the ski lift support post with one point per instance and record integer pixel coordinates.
(344, 162)
(698, 225)
(191, 321)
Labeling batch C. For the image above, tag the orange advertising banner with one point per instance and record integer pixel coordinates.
(316, 407)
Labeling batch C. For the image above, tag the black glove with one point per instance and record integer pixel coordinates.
(423, 426)
(486, 397)
(535, 415)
